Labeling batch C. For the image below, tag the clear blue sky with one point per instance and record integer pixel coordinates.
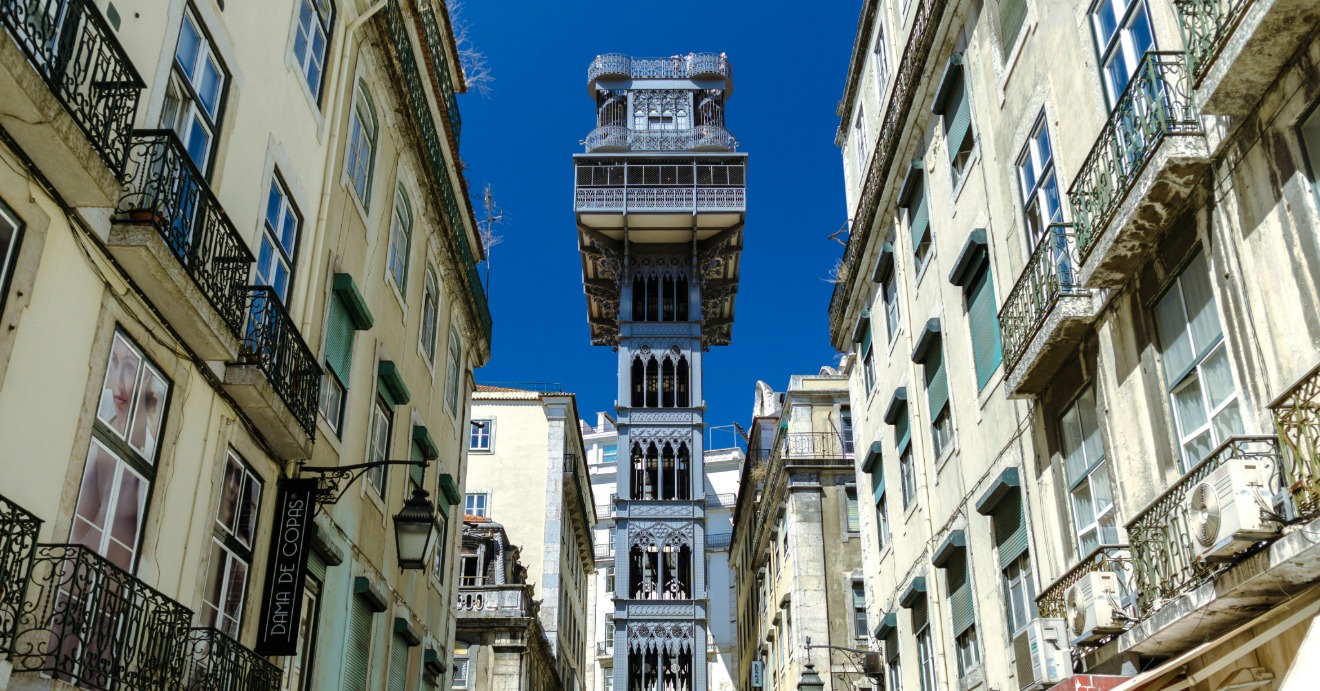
(790, 61)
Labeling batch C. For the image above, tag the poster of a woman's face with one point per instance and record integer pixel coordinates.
(133, 398)
(147, 416)
(121, 375)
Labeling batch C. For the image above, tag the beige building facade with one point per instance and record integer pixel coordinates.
(528, 471)
(235, 251)
(1079, 297)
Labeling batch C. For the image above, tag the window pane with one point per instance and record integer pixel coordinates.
(1200, 300)
(1175, 342)
(1218, 377)
(121, 377)
(1189, 406)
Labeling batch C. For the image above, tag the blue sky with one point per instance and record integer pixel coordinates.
(790, 61)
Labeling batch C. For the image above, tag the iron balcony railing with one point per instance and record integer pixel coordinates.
(1156, 104)
(1206, 27)
(273, 343)
(1297, 418)
(674, 67)
(1050, 274)
(455, 213)
(604, 648)
(652, 173)
(1164, 549)
(165, 190)
(699, 137)
(661, 199)
(1116, 559)
(435, 51)
(73, 49)
(88, 622)
(215, 662)
(908, 80)
(604, 551)
(814, 446)
(719, 541)
(18, 545)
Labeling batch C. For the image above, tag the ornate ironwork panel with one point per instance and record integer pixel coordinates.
(1116, 559)
(90, 623)
(1051, 273)
(73, 49)
(1206, 27)
(216, 662)
(1164, 551)
(18, 544)
(699, 137)
(1297, 418)
(165, 190)
(671, 637)
(273, 343)
(435, 51)
(1156, 104)
(674, 67)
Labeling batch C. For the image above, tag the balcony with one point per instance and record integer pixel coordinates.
(441, 77)
(1046, 314)
(690, 66)
(605, 551)
(703, 186)
(725, 500)
(607, 138)
(1116, 559)
(71, 94)
(1236, 48)
(491, 602)
(275, 380)
(216, 662)
(1143, 166)
(1297, 417)
(86, 621)
(604, 648)
(719, 541)
(815, 448)
(18, 544)
(178, 245)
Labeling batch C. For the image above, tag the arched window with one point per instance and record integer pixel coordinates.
(667, 383)
(681, 298)
(638, 383)
(684, 395)
(646, 477)
(639, 299)
(652, 299)
(683, 474)
(652, 383)
(401, 227)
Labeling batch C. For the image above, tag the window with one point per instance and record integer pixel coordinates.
(969, 653)
(937, 390)
(438, 567)
(859, 610)
(846, 430)
(475, 504)
(611, 455)
(231, 547)
(379, 449)
(460, 673)
(401, 224)
(11, 232)
(121, 459)
(452, 369)
(881, 510)
(480, 439)
(925, 647)
(297, 667)
(1122, 35)
(1019, 593)
(865, 352)
(1196, 367)
(962, 612)
(360, 160)
(889, 289)
(609, 577)
(881, 62)
(909, 476)
(279, 240)
(469, 568)
(1010, 535)
(1309, 131)
(983, 320)
(859, 139)
(430, 313)
(310, 41)
(917, 215)
(1039, 184)
(611, 534)
(340, 334)
(1094, 518)
(956, 110)
(398, 669)
(358, 651)
(893, 662)
(1012, 15)
(195, 93)
(852, 521)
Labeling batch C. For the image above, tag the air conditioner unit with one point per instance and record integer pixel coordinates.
(1040, 652)
(1225, 509)
(1091, 604)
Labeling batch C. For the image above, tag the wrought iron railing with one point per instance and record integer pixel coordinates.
(273, 343)
(660, 198)
(435, 50)
(654, 173)
(18, 544)
(1116, 559)
(908, 78)
(1206, 27)
(674, 67)
(719, 541)
(813, 446)
(456, 214)
(699, 137)
(604, 551)
(165, 190)
(73, 49)
(1156, 104)
(1297, 418)
(88, 622)
(1051, 273)
(215, 662)
(1164, 551)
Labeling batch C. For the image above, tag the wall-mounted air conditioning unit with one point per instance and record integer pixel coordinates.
(1092, 603)
(1040, 652)
(1226, 509)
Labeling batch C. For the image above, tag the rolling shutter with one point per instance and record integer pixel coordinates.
(1010, 529)
(398, 663)
(1012, 15)
(937, 381)
(850, 499)
(987, 348)
(957, 114)
(918, 214)
(359, 646)
(902, 431)
(960, 594)
(316, 565)
(878, 481)
(339, 340)
(920, 616)
(416, 472)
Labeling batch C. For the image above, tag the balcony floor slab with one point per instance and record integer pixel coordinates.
(40, 124)
(250, 388)
(1054, 341)
(1156, 197)
(1269, 34)
(153, 267)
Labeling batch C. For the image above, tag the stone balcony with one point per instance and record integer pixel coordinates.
(482, 602)
(1145, 163)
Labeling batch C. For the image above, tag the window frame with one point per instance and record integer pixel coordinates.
(326, 27)
(378, 477)
(1089, 473)
(880, 55)
(967, 650)
(489, 425)
(189, 99)
(861, 629)
(852, 511)
(429, 331)
(1016, 580)
(1045, 177)
(453, 369)
(1120, 41)
(397, 259)
(279, 253)
(926, 654)
(9, 255)
(483, 504)
(361, 139)
(232, 546)
(893, 310)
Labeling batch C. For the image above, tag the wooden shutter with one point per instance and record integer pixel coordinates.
(1010, 529)
(891, 647)
(359, 646)
(937, 380)
(416, 472)
(987, 348)
(957, 114)
(918, 214)
(339, 340)
(398, 663)
(960, 594)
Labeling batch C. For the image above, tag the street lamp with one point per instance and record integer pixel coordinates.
(414, 530)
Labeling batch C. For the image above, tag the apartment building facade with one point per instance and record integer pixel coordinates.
(237, 263)
(528, 471)
(1079, 297)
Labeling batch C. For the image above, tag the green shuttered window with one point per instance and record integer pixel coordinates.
(960, 594)
(1012, 15)
(902, 431)
(987, 349)
(417, 473)
(398, 663)
(359, 646)
(957, 116)
(937, 381)
(918, 215)
(878, 481)
(339, 340)
(1010, 529)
